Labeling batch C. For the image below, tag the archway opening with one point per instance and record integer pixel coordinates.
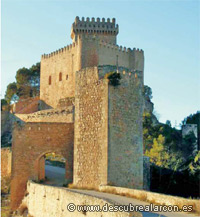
(52, 169)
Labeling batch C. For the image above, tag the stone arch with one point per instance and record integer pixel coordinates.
(30, 142)
(39, 165)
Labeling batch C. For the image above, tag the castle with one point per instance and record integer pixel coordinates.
(82, 116)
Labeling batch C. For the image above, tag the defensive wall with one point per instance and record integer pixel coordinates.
(152, 197)
(53, 202)
(57, 75)
(26, 106)
(108, 129)
(58, 68)
(65, 115)
(90, 141)
(125, 131)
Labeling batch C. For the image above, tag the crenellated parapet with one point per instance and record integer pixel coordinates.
(119, 47)
(61, 50)
(94, 27)
(101, 43)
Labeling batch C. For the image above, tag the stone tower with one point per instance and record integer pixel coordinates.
(103, 30)
(96, 126)
(94, 44)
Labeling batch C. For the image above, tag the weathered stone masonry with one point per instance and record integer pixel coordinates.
(125, 135)
(90, 150)
(95, 126)
(108, 129)
(31, 142)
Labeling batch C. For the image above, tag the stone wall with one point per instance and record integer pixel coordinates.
(108, 129)
(146, 173)
(6, 157)
(65, 115)
(96, 53)
(41, 168)
(125, 130)
(90, 143)
(63, 103)
(154, 198)
(61, 66)
(43, 201)
(104, 30)
(26, 106)
(31, 141)
(189, 128)
(58, 68)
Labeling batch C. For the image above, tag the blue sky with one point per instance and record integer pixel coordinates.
(167, 31)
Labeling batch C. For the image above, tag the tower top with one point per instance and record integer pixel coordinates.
(94, 27)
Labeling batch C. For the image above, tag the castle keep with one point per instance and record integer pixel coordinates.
(81, 115)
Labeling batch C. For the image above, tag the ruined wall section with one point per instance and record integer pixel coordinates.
(57, 76)
(31, 141)
(125, 150)
(90, 144)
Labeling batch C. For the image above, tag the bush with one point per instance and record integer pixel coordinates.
(114, 78)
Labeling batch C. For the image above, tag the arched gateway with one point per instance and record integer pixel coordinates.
(30, 142)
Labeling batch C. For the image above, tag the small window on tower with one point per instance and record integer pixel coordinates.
(60, 76)
(66, 77)
(49, 80)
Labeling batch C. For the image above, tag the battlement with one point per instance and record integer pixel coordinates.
(119, 47)
(100, 42)
(61, 50)
(94, 44)
(125, 73)
(94, 27)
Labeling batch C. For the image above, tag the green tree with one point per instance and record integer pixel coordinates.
(147, 92)
(194, 165)
(3, 103)
(11, 92)
(23, 82)
(35, 79)
(168, 123)
(158, 155)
